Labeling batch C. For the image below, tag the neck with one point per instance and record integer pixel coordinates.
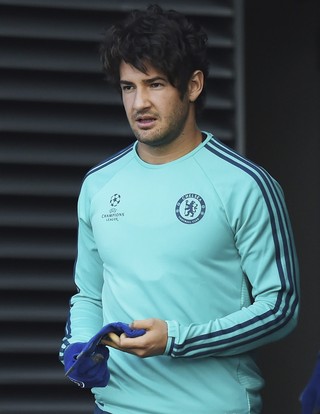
(180, 146)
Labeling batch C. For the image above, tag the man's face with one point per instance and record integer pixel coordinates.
(154, 108)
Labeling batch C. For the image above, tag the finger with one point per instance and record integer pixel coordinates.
(113, 337)
(127, 343)
(110, 344)
(118, 342)
(112, 340)
(141, 324)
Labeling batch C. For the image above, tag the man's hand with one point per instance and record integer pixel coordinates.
(152, 343)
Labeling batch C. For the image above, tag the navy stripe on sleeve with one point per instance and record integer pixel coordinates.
(248, 331)
(111, 159)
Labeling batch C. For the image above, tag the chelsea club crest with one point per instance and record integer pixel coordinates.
(190, 208)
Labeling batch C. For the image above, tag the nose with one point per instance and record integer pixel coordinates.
(141, 99)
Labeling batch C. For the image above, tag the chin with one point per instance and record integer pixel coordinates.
(155, 140)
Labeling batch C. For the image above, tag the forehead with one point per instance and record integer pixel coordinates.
(130, 73)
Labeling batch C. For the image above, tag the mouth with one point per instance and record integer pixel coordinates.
(145, 121)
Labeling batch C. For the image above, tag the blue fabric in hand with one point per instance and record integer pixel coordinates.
(86, 362)
(87, 370)
(310, 397)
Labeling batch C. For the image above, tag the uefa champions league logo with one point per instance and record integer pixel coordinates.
(113, 214)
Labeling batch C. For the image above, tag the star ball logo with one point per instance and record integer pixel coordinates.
(115, 200)
(190, 208)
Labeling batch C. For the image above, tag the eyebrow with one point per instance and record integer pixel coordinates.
(146, 81)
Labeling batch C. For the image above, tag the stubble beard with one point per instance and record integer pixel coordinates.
(163, 136)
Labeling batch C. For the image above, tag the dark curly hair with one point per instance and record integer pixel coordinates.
(167, 40)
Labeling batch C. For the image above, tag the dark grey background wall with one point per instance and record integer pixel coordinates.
(283, 134)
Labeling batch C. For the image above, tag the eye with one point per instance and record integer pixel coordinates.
(126, 88)
(156, 85)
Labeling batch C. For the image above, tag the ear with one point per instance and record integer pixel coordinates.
(195, 85)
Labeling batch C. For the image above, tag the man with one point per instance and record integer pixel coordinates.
(180, 235)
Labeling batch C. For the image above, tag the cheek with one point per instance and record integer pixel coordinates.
(178, 111)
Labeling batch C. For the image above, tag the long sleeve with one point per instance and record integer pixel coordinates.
(258, 218)
(85, 317)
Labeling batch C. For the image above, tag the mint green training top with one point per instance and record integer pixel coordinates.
(204, 243)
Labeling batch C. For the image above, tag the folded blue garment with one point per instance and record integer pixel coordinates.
(86, 362)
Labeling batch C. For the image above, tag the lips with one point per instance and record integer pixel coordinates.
(145, 121)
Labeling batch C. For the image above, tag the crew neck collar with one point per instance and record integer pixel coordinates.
(206, 136)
